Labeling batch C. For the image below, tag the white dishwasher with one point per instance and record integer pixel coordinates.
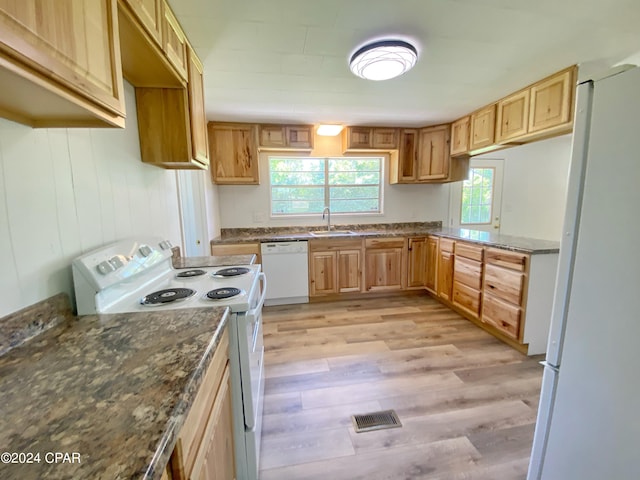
(286, 266)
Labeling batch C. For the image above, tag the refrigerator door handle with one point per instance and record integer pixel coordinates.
(555, 368)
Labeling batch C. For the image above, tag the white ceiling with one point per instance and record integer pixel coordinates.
(286, 60)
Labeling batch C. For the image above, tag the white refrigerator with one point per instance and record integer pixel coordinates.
(588, 425)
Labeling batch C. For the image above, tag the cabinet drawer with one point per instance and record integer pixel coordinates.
(467, 272)
(194, 426)
(501, 315)
(334, 244)
(467, 250)
(446, 244)
(391, 242)
(503, 283)
(466, 297)
(505, 258)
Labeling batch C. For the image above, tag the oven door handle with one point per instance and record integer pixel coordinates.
(263, 280)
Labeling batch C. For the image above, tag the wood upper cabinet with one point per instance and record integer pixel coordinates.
(356, 139)
(172, 124)
(483, 128)
(552, 101)
(174, 42)
(285, 137)
(513, 116)
(385, 260)
(460, 136)
(60, 63)
(431, 274)
(417, 262)
(197, 113)
(233, 152)
(404, 171)
(433, 153)
(150, 15)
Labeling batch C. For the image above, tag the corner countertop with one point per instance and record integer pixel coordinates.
(284, 234)
(213, 261)
(113, 388)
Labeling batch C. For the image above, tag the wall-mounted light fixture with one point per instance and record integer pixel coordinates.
(383, 60)
(329, 130)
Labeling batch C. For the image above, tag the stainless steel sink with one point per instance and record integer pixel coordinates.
(332, 233)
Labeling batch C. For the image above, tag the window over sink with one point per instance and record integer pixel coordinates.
(306, 185)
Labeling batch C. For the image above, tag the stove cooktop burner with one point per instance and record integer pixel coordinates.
(231, 272)
(222, 293)
(190, 273)
(168, 295)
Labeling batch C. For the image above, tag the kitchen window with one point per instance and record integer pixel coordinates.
(304, 186)
(477, 197)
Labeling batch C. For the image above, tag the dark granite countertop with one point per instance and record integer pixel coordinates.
(114, 389)
(213, 261)
(506, 242)
(283, 234)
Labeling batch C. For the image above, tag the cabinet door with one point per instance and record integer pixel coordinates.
(233, 153)
(513, 116)
(349, 271)
(445, 275)
(215, 460)
(273, 136)
(197, 113)
(323, 273)
(358, 138)
(383, 269)
(460, 136)
(483, 128)
(175, 42)
(407, 155)
(73, 45)
(149, 14)
(551, 102)
(432, 264)
(433, 153)
(416, 263)
(299, 136)
(385, 138)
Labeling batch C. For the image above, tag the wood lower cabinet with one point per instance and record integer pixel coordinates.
(204, 448)
(467, 278)
(335, 266)
(60, 63)
(233, 153)
(431, 274)
(385, 261)
(417, 262)
(224, 249)
(445, 268)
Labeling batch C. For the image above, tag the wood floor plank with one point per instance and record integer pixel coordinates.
(467, 401)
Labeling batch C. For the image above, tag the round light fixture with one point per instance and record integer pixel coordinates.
(383, 60)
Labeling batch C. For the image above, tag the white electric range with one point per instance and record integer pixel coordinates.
(137, 275)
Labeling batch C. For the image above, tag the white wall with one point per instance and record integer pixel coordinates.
(247, 206)
(535, 188)
(67, 191)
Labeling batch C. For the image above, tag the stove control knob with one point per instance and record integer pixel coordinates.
(145, 250)
(105, 267)
(165, 245)
(118, 261)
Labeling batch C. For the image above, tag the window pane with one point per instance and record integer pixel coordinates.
(477, 197)
(304, 185)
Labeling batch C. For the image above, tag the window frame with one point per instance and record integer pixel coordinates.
(327, 186)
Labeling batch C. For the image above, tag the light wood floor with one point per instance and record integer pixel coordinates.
(467, 402)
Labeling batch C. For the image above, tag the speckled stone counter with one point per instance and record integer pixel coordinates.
(214, 261)
(507, 242)
(114, 389)
(284, 234)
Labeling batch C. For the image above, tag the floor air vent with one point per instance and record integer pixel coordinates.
(375, 421)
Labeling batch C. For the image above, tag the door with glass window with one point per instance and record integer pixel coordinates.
(476, 202)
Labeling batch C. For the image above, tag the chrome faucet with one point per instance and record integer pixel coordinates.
(328, 212)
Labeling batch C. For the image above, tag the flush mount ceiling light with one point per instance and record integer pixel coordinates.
(329, 130)
(383, 60)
